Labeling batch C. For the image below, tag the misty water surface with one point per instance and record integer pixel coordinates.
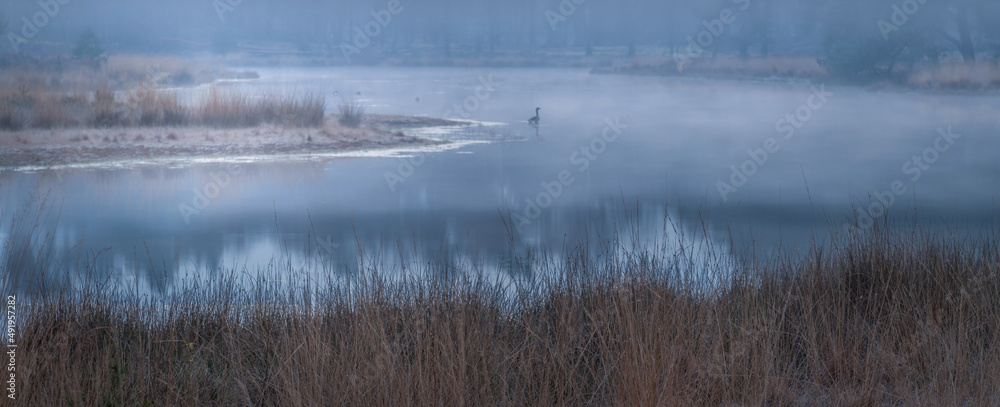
(678, 139)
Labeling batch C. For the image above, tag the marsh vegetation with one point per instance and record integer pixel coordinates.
(886, 318)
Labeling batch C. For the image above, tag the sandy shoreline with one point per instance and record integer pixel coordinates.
(39, 148)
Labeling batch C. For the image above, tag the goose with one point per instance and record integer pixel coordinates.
(534, 120)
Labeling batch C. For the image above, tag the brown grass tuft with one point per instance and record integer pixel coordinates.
(107, 111)
(883, 319)
(157, 108)
(49, 113)
(957, 75)
(8, 117)
(728, 66)
(148, 106)
(235, 108)
(351, 113)
(227, 108)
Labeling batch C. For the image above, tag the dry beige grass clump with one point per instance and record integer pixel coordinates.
(893, 318)
(9, 120)
(236, 108)
(158, 108)
(49, 113)
(147, 106)
(957, 75)
(56, 92)
(796, 67)
(724, 65)
(352, 113)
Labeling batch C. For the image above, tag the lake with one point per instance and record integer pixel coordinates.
(737, 163)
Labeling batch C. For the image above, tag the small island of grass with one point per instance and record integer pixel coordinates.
(106, 114)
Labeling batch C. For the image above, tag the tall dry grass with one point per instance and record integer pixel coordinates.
(57, 73)
(49, 113)
(352, 113)
(238, 108)
(957, 75)
(107, 111)
(158, 108)
(888, 318)
(147, 106)
(729, 66)
(8, 116)
(55, 92)
(228, 108)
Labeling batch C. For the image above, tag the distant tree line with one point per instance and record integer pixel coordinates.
(863, 37)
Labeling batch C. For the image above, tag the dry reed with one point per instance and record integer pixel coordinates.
(351, 113)
(964, 76)
(8, 117)
(728, 66)
(888, 318)
(147, 106)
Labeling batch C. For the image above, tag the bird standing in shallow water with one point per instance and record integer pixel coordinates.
(536, 119)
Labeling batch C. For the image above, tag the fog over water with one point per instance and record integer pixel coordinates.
(750, 125)
(678, 139)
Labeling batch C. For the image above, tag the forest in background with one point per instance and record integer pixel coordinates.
(858, 39)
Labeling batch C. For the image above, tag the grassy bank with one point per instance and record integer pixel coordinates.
(956, 76)
(25, 108)
(947, 76)
(723, 66)
(167, 145)
(125, 91)
(891, 318)
(118, 71)
(118, 112)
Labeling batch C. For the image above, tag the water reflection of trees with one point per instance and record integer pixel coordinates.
(443, 243)
(154, 252)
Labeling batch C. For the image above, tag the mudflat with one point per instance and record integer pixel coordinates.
(69, 146)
